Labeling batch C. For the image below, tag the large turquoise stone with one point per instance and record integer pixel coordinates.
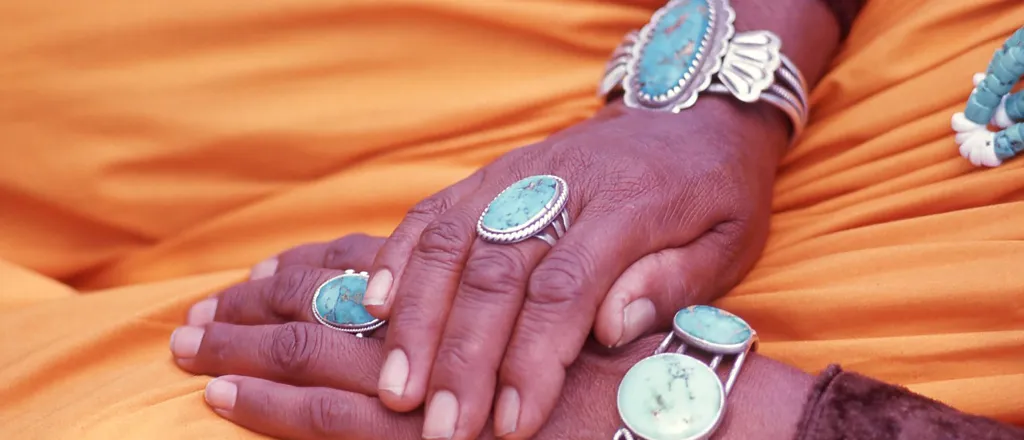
(673, 46)
(340, 301)
(670, 397)
(521, 203)
(713, 325)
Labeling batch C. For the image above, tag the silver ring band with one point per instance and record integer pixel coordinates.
(560, 226)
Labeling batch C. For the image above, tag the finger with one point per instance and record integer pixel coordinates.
(394, 255)
(563, 295)
(422, 302)
(286, 296)
(479, 326)
(354, 251)
(643, 298)
(289, 412)
(297, 352)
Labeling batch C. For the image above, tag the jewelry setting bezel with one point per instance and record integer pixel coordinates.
(359, 330)
(553, 208)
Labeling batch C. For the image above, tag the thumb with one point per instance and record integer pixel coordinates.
(650, 292)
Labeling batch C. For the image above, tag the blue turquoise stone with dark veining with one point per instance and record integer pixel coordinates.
(522, 202)
(340, 301)
(670, 396)
(713, 325)
(673, 46)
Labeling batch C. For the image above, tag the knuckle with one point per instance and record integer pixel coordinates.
(573, 157)
(494, 272)
(442, 242)
(409, 318)
(290, 283)
(215, 345)
(432, 206)
(560, 279)
(457, 353)
(328, 417)
(293, 348)
(340, 251)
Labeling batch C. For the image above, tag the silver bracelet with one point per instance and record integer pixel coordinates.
(691, 46)
(673, 396)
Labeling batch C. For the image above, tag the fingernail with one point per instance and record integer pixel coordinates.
(185, 341)
(377, 291)
(442, 414)
(221, 394)
(637, 318)
(395, 373)
(506, 417)
(264, 269)
(202, 312)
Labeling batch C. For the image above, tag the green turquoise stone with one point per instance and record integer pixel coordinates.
(673, 45)
(521, 203)
(713, 325)
(340, 301)
(670, 397)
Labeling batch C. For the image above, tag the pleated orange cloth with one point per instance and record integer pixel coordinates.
(153, 151)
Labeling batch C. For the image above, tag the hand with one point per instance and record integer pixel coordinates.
(262, 331)
(667, 210)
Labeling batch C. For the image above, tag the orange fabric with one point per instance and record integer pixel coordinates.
(155, 150)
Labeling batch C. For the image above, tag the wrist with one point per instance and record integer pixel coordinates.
(809, 35)
(766, 402)
(808, 29)
(761, 132)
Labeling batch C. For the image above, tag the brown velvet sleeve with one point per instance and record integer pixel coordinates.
(845, 11)
(848, 406)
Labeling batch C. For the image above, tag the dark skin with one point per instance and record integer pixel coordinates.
(668, 210)
(292, 378)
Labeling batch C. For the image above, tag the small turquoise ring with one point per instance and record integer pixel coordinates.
(525, 210)
(338, 304)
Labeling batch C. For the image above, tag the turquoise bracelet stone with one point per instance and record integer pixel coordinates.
(672, 49)
(712, 329)
(671, 396)
(674, 396)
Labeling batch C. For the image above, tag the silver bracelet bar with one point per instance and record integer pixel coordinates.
(672, 395)
(787, 94)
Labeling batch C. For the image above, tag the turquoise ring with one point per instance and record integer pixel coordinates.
(338, 304)
(673, 395)
(525, 209)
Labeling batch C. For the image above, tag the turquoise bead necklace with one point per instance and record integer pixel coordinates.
(992, 103)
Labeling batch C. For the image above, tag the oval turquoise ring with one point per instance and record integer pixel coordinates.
(338, 304)
(525, 209)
